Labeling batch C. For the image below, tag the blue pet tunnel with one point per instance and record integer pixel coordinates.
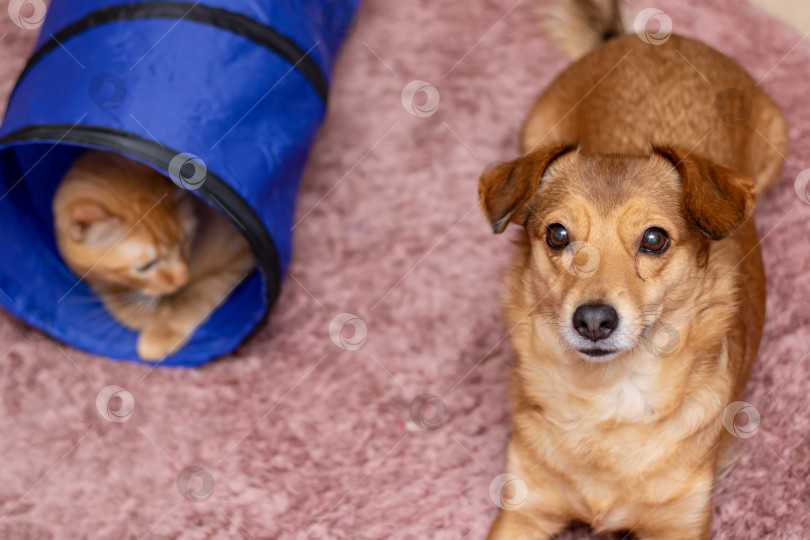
(223, 96)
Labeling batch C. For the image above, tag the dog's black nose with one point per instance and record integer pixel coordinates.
(595, 322)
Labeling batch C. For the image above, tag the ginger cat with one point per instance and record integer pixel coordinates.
(160, 258)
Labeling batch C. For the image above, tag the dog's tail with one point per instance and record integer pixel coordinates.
(580, 26)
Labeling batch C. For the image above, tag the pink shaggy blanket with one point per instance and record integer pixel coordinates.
(294, 436)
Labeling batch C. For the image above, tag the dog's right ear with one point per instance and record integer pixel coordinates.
(717, 199)
(505, 190)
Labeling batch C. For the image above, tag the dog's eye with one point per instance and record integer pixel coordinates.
(654, 241)
(557, 236)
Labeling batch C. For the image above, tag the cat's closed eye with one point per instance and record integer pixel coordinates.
(145, 267)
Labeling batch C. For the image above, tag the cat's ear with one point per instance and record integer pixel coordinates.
(91, 223)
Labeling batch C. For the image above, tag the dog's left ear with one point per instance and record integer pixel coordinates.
(506, 189)
(717, 199)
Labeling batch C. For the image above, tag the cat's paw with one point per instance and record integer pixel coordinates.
(157, 342)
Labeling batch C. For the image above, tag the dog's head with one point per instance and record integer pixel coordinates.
(614, 240)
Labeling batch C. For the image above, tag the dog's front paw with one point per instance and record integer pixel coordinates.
(156, 342)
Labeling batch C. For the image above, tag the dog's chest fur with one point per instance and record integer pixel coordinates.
(610, 437)
(635, 397)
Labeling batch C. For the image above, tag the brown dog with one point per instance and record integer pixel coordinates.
(637, 296)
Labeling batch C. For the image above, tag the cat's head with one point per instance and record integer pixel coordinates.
(121, 223)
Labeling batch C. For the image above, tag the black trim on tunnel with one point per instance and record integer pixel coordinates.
(230, 21)
(213, 189)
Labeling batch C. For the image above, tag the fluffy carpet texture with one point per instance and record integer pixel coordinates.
(294, 436)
